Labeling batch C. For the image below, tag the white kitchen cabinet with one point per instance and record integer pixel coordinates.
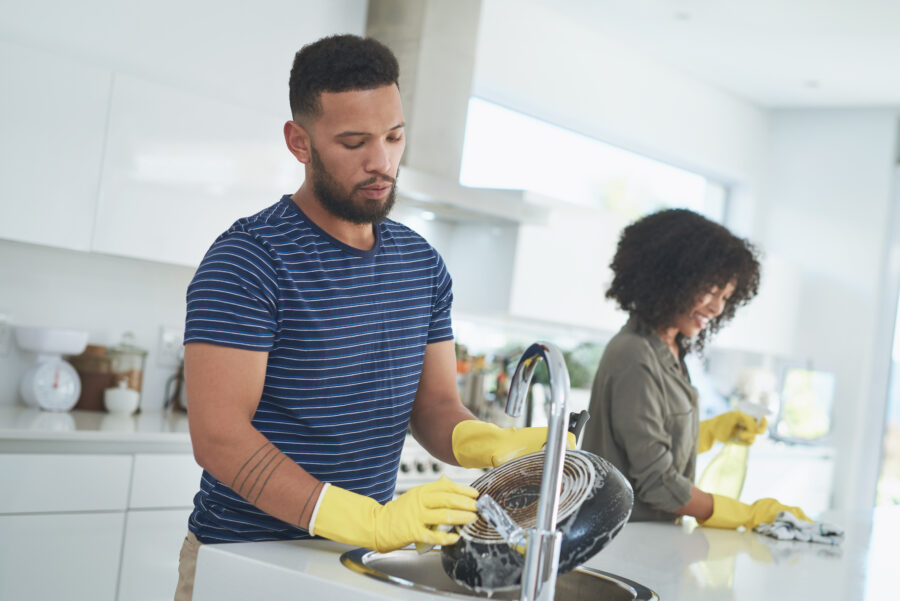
(70, 556)
(53, 114)
(153, 540)
(164, 481)
(561, 271)
(59, 483)
(766, 324)
(162, 492)
(180, 168)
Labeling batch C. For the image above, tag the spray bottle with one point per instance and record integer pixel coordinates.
(725, 474)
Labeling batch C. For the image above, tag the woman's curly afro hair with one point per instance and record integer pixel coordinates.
(666, 260)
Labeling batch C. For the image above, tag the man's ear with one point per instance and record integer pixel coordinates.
(298, 141)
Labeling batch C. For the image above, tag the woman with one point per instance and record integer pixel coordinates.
(680, 277)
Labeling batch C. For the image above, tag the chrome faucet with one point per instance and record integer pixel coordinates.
(544, 541)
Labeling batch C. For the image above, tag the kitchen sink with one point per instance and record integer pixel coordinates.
(423, 572)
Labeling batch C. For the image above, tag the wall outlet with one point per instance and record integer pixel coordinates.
(170, 347)
(5, 335)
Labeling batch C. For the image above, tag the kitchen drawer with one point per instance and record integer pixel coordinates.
(153, 540)
(55, 483)
(164, 481)
(63, 557)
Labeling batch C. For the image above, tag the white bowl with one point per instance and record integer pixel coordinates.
(121, 401)
(55, 341)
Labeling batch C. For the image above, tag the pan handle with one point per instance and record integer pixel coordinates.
(577, 422)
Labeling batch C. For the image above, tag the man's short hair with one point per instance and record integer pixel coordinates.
(338, 63)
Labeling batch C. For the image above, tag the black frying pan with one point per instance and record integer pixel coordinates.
(595, 503)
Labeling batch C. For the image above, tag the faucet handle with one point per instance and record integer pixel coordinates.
(577, 422)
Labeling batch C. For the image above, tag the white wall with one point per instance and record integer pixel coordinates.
(103, 295)
(829, 211)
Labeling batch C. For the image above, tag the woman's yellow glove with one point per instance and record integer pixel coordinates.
(734, 424)
(355, 519)
(731, 513)
(482, 444)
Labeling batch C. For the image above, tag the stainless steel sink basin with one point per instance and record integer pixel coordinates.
(423, 572)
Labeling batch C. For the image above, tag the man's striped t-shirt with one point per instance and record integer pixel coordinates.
(345, 330)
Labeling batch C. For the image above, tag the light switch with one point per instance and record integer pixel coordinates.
(5, 335)
(170, 349)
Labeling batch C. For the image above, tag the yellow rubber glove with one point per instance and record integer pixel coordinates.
(731, 513)
(347, 517)
(734, 424)
(482, 444)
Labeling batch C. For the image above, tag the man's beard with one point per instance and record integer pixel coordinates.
(329, 193)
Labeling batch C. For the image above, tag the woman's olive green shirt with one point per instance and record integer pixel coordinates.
(644, 419)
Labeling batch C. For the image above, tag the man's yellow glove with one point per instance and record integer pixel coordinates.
(347, 517)
(722, 428)
(731, 513)
(482, 444)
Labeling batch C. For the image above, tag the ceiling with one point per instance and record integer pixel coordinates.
(771, 52)
(774, 53)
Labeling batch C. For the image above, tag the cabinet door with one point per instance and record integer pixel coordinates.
(60, 556)
(561, 269)
(53, 121)
(150, 555)
(62, 483)
(164, 481)
(181, 168)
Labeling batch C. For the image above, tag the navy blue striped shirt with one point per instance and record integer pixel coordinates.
(345, 330)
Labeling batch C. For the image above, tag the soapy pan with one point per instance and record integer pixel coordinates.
(595, 503)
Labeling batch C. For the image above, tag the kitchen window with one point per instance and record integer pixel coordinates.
(507, 149)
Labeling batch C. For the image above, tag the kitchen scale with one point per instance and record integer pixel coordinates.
(51, 383)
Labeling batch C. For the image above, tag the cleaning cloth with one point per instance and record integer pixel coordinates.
(787, 526)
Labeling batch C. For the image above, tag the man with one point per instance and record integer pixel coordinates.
(318, 332)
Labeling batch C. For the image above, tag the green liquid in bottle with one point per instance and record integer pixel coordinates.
(726, 472)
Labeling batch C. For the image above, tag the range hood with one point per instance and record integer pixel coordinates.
(435, 43)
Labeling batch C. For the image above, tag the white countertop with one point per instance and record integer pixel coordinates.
(24, 429)
(680, 563)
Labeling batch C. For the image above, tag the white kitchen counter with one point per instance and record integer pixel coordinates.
(680, 563)
(27, 430)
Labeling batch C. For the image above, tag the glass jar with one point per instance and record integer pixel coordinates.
(95, 370)
(127, 363)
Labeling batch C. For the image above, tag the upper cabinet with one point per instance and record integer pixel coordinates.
(181, 168)
(53, 121)
(767, 324)
(562, 270)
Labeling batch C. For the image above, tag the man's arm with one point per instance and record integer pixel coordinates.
(437, 407)
(224, 386)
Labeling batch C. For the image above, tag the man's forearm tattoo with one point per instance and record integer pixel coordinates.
(259, 467)
(314, 494)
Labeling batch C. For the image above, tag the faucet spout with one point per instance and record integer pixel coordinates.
(542, 552)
